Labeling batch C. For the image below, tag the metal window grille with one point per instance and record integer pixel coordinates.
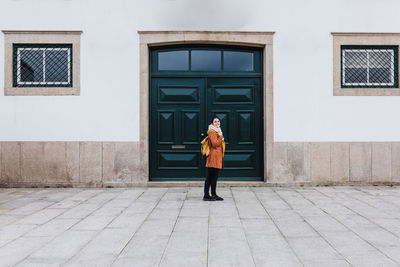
(374, 67)
(42, 65)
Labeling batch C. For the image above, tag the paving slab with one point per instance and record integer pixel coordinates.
(271, 250)
(253, 226)
(103, 249)
(228, 246)
(185, 249)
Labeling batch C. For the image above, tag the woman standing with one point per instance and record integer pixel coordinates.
(214, 159)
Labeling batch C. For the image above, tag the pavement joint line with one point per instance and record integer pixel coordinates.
(302, 217)
(98, 231)
(351, 230)
(381, 187)
(299, 202)
(32, 228)
(140, 226)
(173, 228)
(380, 197)
(365, 217)
(322, 236)
(241, 223)
(37, 226)
(12, 199)
(374, 207)
(66, 210)
(32, 252)
(36, 201)
(277, 227)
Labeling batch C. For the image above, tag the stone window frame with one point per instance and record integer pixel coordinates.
(41, 37)
(378, 39)
(262, 40)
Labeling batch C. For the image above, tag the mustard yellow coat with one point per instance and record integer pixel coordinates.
(217, 150)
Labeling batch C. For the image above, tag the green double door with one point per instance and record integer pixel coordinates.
(181, 110)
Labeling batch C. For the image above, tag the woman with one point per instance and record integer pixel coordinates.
(214, 159)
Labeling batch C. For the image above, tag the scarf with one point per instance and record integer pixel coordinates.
(218, 130)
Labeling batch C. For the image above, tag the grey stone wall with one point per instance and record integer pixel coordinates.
(335, 162)
(89, 164)
(96, 164)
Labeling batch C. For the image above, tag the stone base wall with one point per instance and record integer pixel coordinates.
(97, 164)
(90, 164)
(326, 163)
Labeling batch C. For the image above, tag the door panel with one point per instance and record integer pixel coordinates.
(177, 117)
(233, 94)
(190, 128)
(246, 127)
(233, 101)
(166, 124)
(240, 160)
(178, 94)
(181, 109)
(178, 161)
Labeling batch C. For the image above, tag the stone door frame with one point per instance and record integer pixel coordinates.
(263, 40)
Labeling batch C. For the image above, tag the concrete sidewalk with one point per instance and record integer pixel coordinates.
(262, 226)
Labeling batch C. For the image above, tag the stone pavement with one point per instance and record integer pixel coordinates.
(254, 226)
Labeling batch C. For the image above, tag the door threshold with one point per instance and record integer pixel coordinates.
(199, 184)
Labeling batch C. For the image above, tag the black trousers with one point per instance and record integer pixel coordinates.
(212, 177)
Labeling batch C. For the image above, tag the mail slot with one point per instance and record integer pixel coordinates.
(178, 146)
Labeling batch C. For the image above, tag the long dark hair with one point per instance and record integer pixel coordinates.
(213, 118)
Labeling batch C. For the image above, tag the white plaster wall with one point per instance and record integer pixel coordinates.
(108, 107)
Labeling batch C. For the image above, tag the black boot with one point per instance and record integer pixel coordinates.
(208, 198)
(217, 198)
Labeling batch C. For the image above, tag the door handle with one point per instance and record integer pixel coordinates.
(178, 146)
(202, 134)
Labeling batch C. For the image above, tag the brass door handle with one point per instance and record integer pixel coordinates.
(178, 146)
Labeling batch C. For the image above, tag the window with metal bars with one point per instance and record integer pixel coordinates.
(42, 65)
(369, 66)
